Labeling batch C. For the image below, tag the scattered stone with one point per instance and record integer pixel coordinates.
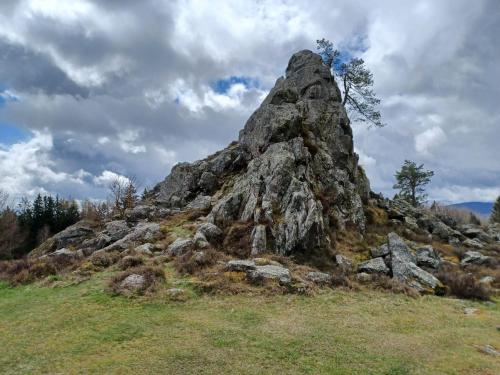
(141, 212)
(180, 246)
(211, 232)
(488, 280)
(261, 273)
(176, 294)
(474, 243)
(200, 240)
(146, 248)
(240, 265)
(375, 265)
(474, 257)
(64, 252)
(470, 311)
(364, 277)
(143, 232)
(344, 263)
(488, 349)
(319, 277)
(133, 282)
(428, 257)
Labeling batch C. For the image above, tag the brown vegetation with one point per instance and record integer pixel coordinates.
(464, 285)
(194, 261)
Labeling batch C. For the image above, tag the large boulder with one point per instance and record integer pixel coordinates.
(141, 233)
(270, 272)
(73, 235)
(404, 269)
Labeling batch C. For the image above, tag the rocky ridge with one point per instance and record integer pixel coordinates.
(290, 186)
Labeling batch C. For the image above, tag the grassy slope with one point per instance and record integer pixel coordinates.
(81, 329)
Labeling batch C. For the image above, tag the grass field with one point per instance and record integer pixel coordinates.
(81, 329)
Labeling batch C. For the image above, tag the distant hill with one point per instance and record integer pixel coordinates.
(479, 208)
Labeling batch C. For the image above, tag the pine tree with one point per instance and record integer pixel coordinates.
(495, 212)
(411, 180)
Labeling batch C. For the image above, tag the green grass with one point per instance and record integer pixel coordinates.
(81, 329)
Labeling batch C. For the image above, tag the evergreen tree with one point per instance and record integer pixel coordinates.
(411, 180)
(495, 212)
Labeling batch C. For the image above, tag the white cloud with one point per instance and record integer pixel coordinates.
(429, 139)
(108, 177)
(456, 193)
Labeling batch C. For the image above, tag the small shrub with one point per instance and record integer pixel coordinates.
(27, 270)
(152, 276)
(394, 286)
(237, 239)
(464, 286)
(194, 261)
(104, 259)
(130, 261)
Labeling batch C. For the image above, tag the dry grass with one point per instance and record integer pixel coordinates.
(27, 270)
(237, 239)
(464, 285)
(193, 262)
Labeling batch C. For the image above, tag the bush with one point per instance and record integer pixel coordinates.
(104, 259)
(194, 261)
(130, 261)
(152, 276)
(27, 270)
(464, 286)
(237, 239)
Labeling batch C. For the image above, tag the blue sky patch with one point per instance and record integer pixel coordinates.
(222, 86)
(10, 134)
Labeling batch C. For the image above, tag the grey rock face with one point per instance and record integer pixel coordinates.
(474, 257)
(261, 273)
(73, 235)
(375, 265)
(428, 257)
(201, 202)
(180, 246)
(259, 239)
(293, 167)
(143, 232)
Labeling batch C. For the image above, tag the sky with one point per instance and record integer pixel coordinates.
(91, 90)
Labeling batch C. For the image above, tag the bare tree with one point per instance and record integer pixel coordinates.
(123, 194)
(357, 82)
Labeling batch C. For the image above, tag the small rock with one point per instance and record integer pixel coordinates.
(200, 240)
(240, 265)
(476, 244)
(344, 263)
(63, 252)
(180, 246)
(270, 272)
(469, 311)
(201, 202)
(364, 277)
(319, 277)
(474, 257)
(380, 251)
(211, 232)
(375, 265)
(428, 257)
(146, 248)
(133, 282)
(488, 349)
(487, 280)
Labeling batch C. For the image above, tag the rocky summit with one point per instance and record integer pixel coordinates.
(287, 203)
(293, 172)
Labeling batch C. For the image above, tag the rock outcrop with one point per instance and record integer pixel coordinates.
(293, 171)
